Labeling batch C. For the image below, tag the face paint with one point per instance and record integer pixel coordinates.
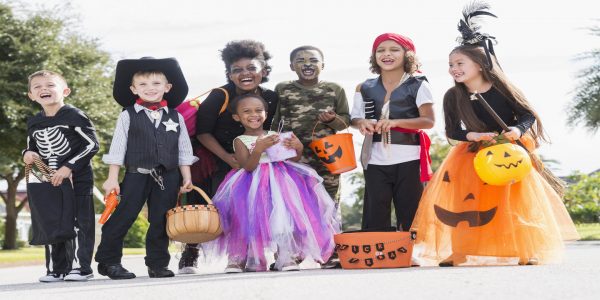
(308, 64)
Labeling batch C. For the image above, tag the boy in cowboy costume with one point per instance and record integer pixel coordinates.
(151, 141)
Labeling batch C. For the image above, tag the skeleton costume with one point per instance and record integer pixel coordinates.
(151, 142)
(69, 139)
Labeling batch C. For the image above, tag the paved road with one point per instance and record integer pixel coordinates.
(576, 278)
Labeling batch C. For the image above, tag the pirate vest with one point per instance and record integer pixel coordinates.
(149, 147)
(402, 105)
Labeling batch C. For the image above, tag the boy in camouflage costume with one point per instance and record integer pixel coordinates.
(304, 101)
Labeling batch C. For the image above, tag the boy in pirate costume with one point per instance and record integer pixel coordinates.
(65, 138)
(304, 101)
(151, 141)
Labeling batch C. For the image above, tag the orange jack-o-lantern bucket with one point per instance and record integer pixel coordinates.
(336, 151)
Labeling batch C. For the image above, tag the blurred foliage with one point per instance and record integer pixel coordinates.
(582, 197)
(136, 236)
(585, 107)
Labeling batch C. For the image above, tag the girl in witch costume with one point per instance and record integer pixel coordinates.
(65, 138)
(151, 141)
(459, 214)
(391, 111)
(270, 205)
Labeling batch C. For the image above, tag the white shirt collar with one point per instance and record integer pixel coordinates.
(138, 108)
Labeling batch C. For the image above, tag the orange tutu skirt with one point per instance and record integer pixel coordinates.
(459, 215)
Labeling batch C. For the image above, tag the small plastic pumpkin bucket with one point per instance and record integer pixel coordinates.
(335, 151)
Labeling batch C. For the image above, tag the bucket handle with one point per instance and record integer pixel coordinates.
(200, 191)
(319, 122)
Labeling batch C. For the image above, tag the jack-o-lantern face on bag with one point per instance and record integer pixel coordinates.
(474, 212)
(502, 164)
(329, 154)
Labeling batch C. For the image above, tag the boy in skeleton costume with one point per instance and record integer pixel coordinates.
(151, 141)
(65, 139)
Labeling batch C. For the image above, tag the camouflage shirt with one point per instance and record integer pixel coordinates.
(300, 106)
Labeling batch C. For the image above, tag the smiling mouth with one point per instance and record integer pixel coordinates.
(510, 165)
(308, 72)
(473, 217)
(246, 80)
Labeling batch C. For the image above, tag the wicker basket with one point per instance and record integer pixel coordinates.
(194, 224)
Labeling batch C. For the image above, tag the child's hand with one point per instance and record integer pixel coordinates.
(29, 157)
(482, 136)
(513, 134)
(385, 125)
(232, 162)
(327, 116)
(293, 143)
(263, 142)
(60, 175)
(109, 185)
(366, 127)
(186, 186)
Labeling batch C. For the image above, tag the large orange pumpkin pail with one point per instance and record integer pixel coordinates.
(336, 151)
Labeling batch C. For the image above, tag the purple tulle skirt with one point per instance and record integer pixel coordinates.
(280, 207)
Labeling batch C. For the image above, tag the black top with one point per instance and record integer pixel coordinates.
(149, 146)
(508, 111)
(223, 127)
(65, 139)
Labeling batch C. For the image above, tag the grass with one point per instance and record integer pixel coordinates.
(33, 255)
(589, 231)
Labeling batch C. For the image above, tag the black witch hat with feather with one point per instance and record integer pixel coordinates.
(469, 29)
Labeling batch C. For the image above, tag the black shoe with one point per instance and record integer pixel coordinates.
(188, 264)
(114, 271)
(160, 273)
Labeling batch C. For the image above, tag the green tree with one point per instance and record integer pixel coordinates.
(31, 41)
(136, 236)
(582, 197)
(585, 107)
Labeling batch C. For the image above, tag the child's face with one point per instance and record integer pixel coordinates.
(308, 64)
(246, 74)
(48, 90)
(150, 88)
(251, 113)
(462, 68)
(390, 56)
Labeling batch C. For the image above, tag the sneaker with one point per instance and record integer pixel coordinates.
(332, 263)
(78, 275)
(290, 266)
(188, 264)
(52, 277)
(234, 268)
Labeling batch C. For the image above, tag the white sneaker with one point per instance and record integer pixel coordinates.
(290, 266)
(189, 270)
(234, 268)
(52, 277)
(77, 275)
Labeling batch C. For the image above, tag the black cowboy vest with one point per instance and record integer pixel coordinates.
(149, 147)
(402, 105)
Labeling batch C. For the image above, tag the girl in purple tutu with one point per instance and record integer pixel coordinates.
(280, 206)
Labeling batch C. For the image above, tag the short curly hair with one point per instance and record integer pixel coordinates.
(236, 50)
(411, 62)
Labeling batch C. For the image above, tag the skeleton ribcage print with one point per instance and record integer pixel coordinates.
(51, 143)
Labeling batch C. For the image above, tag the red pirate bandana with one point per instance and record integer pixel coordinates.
(403, 41)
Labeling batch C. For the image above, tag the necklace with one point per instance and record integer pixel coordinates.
(155, 114)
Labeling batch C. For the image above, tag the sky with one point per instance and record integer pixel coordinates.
(538, 42)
